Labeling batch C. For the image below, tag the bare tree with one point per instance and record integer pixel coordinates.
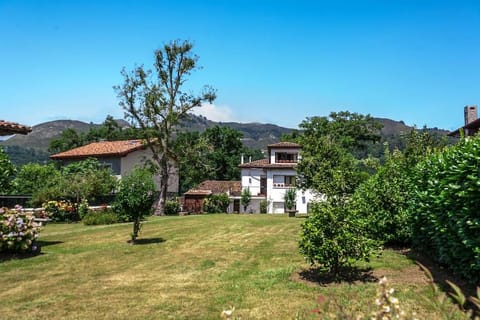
(155, 102)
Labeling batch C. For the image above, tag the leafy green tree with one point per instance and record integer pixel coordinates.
(7, 172)
(33, 177)
(332, 238)
(226, 150)
(192, 150)
(69, 139)
(135, 198)
(157, 103)
(245, 198)
(328, 163)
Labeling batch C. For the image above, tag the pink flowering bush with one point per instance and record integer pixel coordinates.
(18, 231)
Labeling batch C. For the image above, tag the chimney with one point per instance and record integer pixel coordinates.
(241, 159)
(471, 113)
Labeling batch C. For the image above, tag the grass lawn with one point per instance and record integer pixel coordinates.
(190, 267)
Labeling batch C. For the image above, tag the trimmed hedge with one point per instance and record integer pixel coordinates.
(446, 208)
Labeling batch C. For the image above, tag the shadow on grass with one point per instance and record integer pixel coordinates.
(6, 256)
(350, 275)
(147, 241)
(43, 243)
(440, 274)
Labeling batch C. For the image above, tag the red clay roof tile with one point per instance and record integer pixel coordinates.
(101, 149)
(8, 128)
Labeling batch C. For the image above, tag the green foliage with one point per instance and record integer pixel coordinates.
(172, 207)
(290, 198)
(211, 155)
(20, 155)
(445, 207)
(156, 102)
(327, 168)
(334, 238)
(135, 198)
(382, 200)
(18, 231)
(328, 163)
(33, 177)
(263, 206)
(7, 172)
(245, 198)
(100, 217)
(216, 203)
(60, 211)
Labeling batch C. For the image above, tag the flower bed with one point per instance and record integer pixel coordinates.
(18, 231)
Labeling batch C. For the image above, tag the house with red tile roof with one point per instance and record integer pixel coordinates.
(268, 179)
(121, 156)
(8, 128)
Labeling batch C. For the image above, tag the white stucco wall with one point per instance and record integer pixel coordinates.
(251, 179)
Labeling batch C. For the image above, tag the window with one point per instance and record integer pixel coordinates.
(283, 181)
(285, 157)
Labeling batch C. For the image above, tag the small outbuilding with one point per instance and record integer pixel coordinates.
(193, 199)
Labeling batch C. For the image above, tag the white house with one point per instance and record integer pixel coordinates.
(121, 156)
(268, 179)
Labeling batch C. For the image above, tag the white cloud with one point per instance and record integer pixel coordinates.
(215, 113)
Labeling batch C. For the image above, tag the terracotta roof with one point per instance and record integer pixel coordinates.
(216, 187)
(102, 149)
(8, 128)
(196, 192)
(284, 144)
(263, 163)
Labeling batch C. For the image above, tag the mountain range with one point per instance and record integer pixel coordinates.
(34, 146)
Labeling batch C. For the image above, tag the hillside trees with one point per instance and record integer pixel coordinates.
(155, 102)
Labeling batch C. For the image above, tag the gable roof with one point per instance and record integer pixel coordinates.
(264, 163)
(7, 128)
(216, 187)
(474, 126)
(101, 149)
(284, 144)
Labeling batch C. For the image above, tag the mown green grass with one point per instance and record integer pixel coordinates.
(189, 267)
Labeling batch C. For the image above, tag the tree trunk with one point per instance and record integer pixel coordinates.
(162, 198)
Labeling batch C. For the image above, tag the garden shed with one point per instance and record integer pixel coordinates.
(193, 198)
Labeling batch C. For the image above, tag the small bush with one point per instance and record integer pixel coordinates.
(100, 217)
(60, 211)
(18, 231)
(263, 206)
(216, 203)
(172, 207)
(333, 238)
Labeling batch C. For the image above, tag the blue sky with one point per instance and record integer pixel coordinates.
(271, 61)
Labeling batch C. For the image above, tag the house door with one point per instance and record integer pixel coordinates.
(236, 205)
(263, 186)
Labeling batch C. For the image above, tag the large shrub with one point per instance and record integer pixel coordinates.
(382, 201)
(18, 231)
(333, 238)
(135, 198)
(100, 217)
(446, 207)
(216, 203)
